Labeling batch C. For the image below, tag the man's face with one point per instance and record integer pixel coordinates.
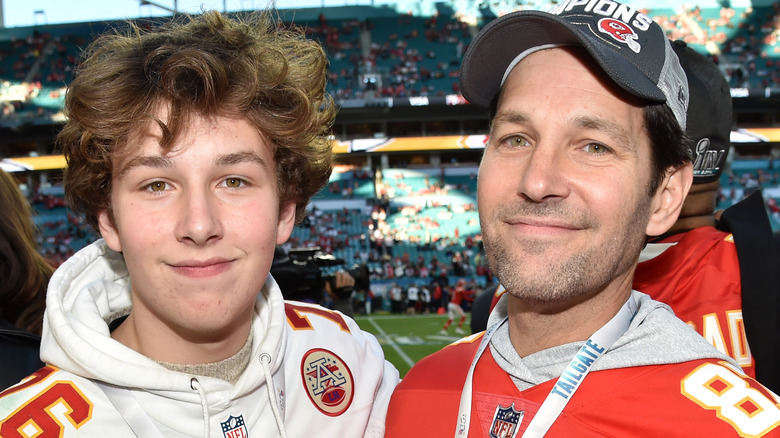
(562, 188)
(197, 226)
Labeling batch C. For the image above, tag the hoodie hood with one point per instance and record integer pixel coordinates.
(92, 288)
(655, 336)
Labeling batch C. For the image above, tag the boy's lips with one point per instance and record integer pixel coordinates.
(202, 268)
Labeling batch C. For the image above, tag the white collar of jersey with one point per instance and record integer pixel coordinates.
(653, 250)
(566, 385)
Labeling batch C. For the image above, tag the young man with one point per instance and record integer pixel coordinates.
(586, 157)
(194, 147)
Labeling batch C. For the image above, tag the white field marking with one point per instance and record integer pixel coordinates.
(391, 343)
(399, 316)
(444, 338)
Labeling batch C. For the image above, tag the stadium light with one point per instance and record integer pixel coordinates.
(37, 13)
(174, 11)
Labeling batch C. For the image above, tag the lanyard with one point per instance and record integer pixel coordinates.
(567, 383)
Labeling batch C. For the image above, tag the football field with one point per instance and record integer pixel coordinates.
(408, 338)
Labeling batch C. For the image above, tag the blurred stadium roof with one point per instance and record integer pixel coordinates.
(15, 13)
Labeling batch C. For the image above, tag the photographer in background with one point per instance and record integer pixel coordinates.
(300, 276)
(342, 284)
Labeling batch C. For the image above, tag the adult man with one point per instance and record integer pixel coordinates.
(726, 290)
(194, 147)
(718, 276)
(586, 157)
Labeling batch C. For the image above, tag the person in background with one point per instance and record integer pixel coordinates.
(24, 276)
(719, 276)
(396, 298)
(413, 301)
(455, 308)
(587, 156)
(194, 147)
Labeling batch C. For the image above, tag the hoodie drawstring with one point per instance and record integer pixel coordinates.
(194, 384)
(265, 361)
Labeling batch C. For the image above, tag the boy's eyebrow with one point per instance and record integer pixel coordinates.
(144, 161)
(165, 162)
(241, 157)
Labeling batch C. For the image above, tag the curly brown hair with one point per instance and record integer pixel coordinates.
(24, 273)
(209, 65)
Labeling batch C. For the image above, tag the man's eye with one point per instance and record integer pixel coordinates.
(157, 186)
(516, 141)
(596, 148)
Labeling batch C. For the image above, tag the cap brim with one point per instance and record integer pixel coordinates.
(504, 38)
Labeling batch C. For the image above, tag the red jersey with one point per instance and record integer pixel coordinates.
(699, 278)
(460, 293)
(694, 398)
(457, 296)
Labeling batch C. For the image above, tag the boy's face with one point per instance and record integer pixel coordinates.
(197, 226)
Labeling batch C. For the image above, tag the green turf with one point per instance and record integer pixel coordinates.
(406, 339)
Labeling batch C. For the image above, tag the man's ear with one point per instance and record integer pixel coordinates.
(108, 230)
(669, 198)
(286, 222)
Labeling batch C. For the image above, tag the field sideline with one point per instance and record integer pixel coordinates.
(406, 339)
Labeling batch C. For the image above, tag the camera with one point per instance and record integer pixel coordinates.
(302, 274)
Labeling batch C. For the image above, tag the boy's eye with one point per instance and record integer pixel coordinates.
(157, 186)
(233, 182)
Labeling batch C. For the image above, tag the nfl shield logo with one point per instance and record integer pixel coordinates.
(234, 427)
(506, 422)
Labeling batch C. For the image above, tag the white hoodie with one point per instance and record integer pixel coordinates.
(312, 371)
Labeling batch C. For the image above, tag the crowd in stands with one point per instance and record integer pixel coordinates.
(382, 234)
(61, 233)
(35, 70)
(420, 56)
(347, 184)
(392, 56)
(409, 231)
(408, 55)
(744, 42)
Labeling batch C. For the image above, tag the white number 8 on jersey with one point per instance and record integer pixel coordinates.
(720, 389)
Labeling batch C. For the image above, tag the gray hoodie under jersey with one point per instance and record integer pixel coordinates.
(655, 337)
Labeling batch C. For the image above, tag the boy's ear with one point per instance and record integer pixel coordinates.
(108, 230)
(286, 222)
(668, 199)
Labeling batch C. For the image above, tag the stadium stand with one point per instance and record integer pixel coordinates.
(400, 54)
(407, 222)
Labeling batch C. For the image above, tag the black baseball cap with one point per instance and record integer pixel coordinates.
(709, 113)
(628, 45)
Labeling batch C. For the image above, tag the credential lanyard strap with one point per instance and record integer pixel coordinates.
(567, 383)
